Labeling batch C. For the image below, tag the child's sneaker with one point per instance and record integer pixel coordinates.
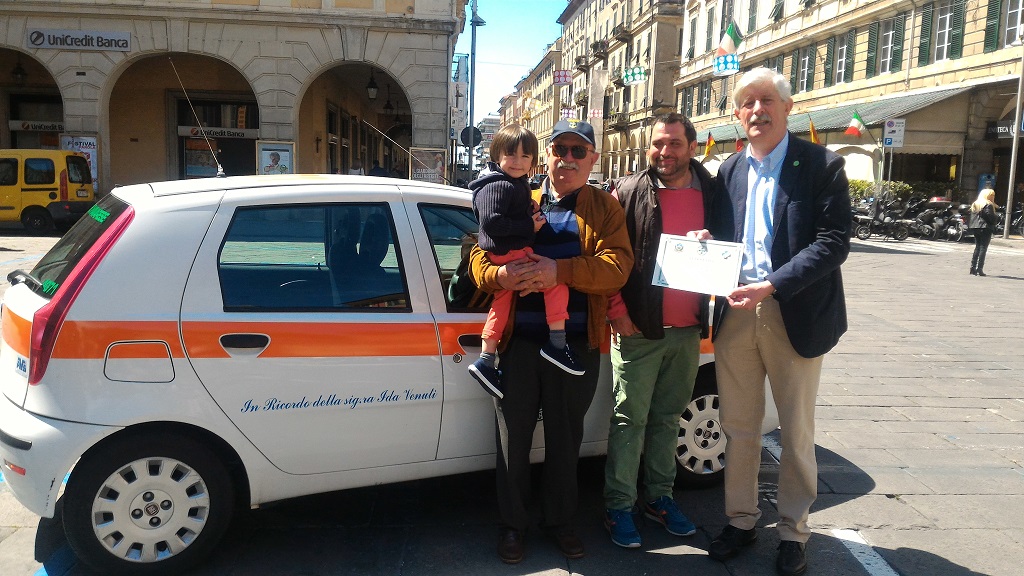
(562, 358)
(488, 376)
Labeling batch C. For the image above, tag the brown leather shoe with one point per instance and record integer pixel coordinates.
(568, 543)
(510, 546)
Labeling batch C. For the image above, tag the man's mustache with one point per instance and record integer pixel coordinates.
(755, 118)
(564, 164)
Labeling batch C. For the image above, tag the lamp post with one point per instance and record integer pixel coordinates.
(1016, 138)
(476, 21)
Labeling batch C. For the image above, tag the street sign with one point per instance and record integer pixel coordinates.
(894, 130)
(470, 132)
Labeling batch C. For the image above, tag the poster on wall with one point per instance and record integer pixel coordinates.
(199, 160)
(427, 165)
(87, 146)
(275, 157)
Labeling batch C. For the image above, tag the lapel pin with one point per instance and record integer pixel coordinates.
(796, 162)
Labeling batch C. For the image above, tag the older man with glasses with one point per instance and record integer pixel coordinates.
(584, 245)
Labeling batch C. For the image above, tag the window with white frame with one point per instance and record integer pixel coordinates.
(711, 30)
(1014, 9)
(704, 104)
(886, 36)
(943, 29)
(805, 73)
(839, 68)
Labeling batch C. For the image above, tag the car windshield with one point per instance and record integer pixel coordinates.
(60, 261)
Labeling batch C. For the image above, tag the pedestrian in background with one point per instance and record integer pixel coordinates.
(787, 201)
(584, 245)
(656, 334)
(981, 223)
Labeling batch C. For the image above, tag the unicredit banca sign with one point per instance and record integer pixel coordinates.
(78, 39)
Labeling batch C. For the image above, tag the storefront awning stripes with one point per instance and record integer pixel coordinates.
(873, 113)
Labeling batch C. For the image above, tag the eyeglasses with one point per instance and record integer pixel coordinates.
(578, 152)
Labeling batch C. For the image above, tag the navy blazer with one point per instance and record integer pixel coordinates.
(812, 239)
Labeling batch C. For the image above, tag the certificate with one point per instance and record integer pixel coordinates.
(706, 267)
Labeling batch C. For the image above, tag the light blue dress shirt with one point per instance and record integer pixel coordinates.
(759, 230)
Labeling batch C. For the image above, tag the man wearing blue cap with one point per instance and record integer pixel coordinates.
(585, 246)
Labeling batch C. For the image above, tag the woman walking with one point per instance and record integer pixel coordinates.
(982, 222)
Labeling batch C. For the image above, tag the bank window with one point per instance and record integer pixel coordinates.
(943, 30)
(340, 257)
(885, 46)
(805, 80)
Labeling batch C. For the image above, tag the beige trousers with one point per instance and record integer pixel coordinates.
(749, 346)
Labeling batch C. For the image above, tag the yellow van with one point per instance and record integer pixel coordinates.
(44, 188)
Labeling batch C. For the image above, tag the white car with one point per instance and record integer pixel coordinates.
(194, 346)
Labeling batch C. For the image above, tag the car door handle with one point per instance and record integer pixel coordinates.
(244, 344)
(467, 341)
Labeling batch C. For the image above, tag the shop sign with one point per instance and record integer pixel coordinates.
(36, 125)
(78, 39)
(1000, 129)
(195, 132)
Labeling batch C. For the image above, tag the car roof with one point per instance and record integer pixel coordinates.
(233, 185)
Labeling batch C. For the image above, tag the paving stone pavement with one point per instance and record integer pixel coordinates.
(920, 448)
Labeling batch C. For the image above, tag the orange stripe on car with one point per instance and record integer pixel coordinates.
(316, 340)
(17, 331)
(90, 339)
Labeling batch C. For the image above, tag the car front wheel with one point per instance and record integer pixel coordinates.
(700, 449)
(147, 505)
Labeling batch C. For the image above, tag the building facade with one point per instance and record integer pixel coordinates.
(170, 89)
(539, 100)
(947, 68)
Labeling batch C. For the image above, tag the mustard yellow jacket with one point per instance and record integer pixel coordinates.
(599, 271)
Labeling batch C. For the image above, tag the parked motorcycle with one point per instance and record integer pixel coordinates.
(1016, 220)
(886, 220)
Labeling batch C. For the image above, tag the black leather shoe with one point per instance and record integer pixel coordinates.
(792, 560)
(730, 541)
(510, 546)
(568, 543)
(980, 273)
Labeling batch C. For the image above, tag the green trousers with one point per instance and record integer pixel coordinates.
(653, 382)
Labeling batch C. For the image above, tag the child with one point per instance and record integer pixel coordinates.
(509, 219)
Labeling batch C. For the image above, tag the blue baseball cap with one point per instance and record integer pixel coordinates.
(577, 127)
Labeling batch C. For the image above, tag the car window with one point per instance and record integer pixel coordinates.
(39, 171)
(78, 170)
(452, 233)
(320, 257)
(8, 171)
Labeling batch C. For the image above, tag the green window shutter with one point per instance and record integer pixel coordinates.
(813, 57)
(898, 28)
(830, 54)
(995, 14)
(794, 67)
(872, 49)
(956, 39)
(777, 10)
(752, 17)
(711, 30)
(851, 48)
(924, 54)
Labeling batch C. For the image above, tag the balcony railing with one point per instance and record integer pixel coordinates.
(600, 49)
(618, 120)
(621, 32)
(581, 63)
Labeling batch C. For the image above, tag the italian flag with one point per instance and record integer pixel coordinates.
(856, 126)
(730, 41)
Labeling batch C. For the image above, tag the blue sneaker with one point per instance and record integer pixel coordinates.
(621, 527)
(665, 512)
(488, 376)
(562, 358)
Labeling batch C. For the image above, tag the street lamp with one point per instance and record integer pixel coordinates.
(1016, 137)
(474, 23)
(371, 88)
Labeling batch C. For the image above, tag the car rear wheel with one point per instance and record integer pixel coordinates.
(37, 220)
(147, 505)
(700, 449)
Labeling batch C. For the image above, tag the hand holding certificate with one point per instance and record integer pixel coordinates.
(703, 266)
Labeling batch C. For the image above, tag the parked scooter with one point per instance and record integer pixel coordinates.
(1016, 220)
(886, 220)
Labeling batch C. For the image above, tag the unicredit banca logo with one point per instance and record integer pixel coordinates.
(36, 38)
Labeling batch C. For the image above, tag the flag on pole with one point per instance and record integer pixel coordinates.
(726, 63)
(739, 145)
(856, 126)
(709, 145)
(814, 133)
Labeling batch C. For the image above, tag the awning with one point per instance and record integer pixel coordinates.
(872, 113)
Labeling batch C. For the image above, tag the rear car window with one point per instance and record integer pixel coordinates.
(317, 257)
(54, 268)
(78, 170)
(8, 171)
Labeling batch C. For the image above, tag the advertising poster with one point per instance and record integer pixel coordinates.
(275, 157)
(87, 146)
(427, 165)
(199, 161)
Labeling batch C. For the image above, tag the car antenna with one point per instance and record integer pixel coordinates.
(220, 169)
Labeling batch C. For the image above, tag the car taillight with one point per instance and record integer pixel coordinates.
(46, 322)
(64, 185)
